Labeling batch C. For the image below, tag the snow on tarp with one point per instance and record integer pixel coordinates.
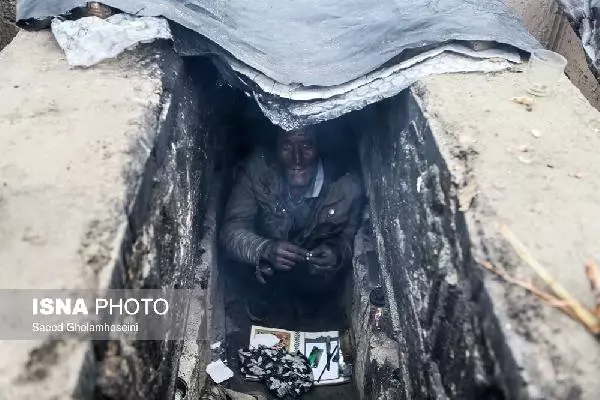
(320, 45)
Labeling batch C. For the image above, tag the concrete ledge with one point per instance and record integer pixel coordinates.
(547, 190)
(74, 147)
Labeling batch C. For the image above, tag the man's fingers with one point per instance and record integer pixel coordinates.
(259, 277)
(320, 261)
(322, 256)
(286, 261)
(317, 269)
(319, 250)
(267, 270)
(284, 264)
(292, 248)
(295, 257)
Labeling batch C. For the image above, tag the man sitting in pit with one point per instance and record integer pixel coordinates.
(291, 219)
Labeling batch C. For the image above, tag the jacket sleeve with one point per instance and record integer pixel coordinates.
(343, 244)
(238, 235)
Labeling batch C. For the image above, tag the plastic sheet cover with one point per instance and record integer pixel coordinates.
(89, 40)
(324, 45)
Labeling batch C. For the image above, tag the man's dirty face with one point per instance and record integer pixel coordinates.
(298, 156)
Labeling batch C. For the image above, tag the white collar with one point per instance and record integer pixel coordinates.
(318, 183)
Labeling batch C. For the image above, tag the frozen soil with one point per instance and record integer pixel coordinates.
(535, 171)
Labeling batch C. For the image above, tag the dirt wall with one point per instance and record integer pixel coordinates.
(438, 337)
(8, 29)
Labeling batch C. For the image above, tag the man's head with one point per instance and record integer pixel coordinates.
(298, 156)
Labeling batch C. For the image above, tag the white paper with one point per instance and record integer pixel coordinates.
(218, 371)
(334, 370)
(215, 345)
(267, 340)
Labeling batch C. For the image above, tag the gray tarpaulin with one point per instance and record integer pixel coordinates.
(319, 45)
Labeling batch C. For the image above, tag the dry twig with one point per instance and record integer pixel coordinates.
(547, 297)
(593, 274)
(583, 315)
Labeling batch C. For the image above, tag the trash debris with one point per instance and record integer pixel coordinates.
(527, 101)
(98, 10)
(218, 371)
(592, 271)
(466, 196)
(544, 71)
(294, 342)
(283, 373)
(524, 100)
(559, 296)
(215, 345)
(420, 183)
(577, 175)
(517, 69)
(232, 395)
(525, 160)
(218, 392)
(89, 40)
(265, 340)
(536, 133)
(595, 125)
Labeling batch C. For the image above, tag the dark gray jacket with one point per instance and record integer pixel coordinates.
(255, 213)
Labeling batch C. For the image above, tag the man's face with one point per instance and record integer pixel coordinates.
(298, 156)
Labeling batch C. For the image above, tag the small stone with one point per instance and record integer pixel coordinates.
(524, 148)
(525, 160)
(595, 125)
(577, 175)
(536, 133)
(523, 100)
(549, 165)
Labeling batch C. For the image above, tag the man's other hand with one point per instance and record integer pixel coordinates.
(322, 259)
(284, 256)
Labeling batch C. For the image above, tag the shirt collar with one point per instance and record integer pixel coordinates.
(318, 183)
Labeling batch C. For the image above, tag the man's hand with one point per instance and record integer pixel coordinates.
(263, 270)
(322, 259)
(284, 256)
